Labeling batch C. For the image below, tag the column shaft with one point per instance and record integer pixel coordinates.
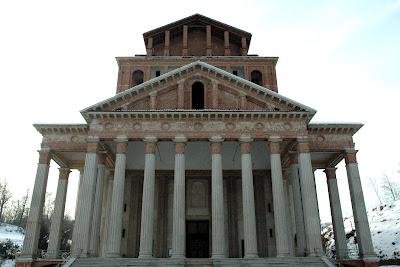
(366, 249)
(249, 216)
(298, 208)
(36, 209)
(217, 200)
(336, 213)
(178, 216)
(58, 215)
(146, 230)
(117, 201)
(85, 204)
(281, 222)
(310, 205)
(98, 199)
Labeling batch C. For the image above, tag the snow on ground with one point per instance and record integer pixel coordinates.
(384, 222)
(8, 263)
(11, 232)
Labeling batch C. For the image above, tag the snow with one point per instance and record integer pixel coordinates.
(384, 222)
(14, 233)
(8, 263)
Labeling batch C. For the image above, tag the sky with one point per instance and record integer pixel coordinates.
(341, 58)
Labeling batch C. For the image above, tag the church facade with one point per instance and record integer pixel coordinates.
(197, 157)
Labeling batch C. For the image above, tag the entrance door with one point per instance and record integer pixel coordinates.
(197, 239)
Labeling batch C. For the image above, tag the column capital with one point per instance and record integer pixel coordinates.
(44, 156)
(122, 144)
(150, 144)
(154, 93)
(181, 82)
(180, 144)
(350, 156)
(330, 173)
(216, 144)
(64, 173)
(274, 144)
(302, 144)
(214, 82)
(92, 144)
(245, 144)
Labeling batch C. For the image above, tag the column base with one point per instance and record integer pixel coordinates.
(282, 255)
(113, 255)
(218, 256)
(250, 256)
(145, 256)
(177, 256)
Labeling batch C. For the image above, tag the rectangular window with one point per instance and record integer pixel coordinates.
(269, 207)
(124, 207)
(270, 233)
(123, 233)
(158, 73)
(235, 72)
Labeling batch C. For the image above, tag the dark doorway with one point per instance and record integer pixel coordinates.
(137, 77)
(197, 239)
(197, 95)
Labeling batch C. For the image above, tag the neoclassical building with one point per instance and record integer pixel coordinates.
(197, 160)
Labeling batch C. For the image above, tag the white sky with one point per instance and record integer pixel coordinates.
(341, 58)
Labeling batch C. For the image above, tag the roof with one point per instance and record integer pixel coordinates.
(193, 18)
(150, 84)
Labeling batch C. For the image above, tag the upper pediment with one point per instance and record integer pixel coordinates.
(198, 86)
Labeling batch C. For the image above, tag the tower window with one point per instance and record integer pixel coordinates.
(197, 95)
(256, 77)
(137, 77)
(158, 73)
(235, 72)
(270, 233)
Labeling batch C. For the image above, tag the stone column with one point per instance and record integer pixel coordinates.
(86, 197)
(366, 249)
(185, 41)
(58, 214)
(117, 200)
(298, 208)
(146, 230)
(149, 47)
(226, 44)
(98, 201)
(208, 40)
(249, 216)
(36, 209)
(181, 94)
(309, 197)
(178, 216)
(166, 44)
(75, 230)
(217, 199)
(281, 222)
(336, 213)
(244, 46)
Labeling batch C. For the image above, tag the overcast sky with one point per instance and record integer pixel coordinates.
(340, 58)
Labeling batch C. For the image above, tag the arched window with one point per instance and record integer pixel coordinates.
(256, 77)
(197, 95)
(137, 77)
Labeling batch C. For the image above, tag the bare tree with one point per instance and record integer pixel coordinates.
(376, 188)
(390, 188)
(5, 196)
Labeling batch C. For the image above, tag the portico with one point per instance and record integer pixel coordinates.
(198, 162)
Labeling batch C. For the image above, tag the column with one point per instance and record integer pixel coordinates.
(86, 197)
(178, 214)
(298, 208)
(75, 230)
(336, 213)
(214, 92)
(117, 200)
(153, 100)
(249, 216)
(146, 230)
(181, 94)
(166, 44)
(281, 222)
(208, 40)
(98, 201)
(366, 249)
(244, 46)
(185, 41)
(149, 48)
(58, 215)
(217, 199)
(309, 197)
(226, 44)
(36, 209)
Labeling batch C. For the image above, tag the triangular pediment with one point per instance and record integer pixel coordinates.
(233, 93)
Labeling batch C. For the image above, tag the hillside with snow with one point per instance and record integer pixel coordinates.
(384, 222)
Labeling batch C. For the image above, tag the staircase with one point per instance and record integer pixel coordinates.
(226, 262)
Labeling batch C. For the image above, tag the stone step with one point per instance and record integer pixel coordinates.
(231, 262)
